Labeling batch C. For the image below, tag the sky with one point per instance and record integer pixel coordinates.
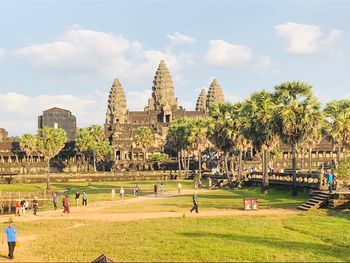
(67, 53)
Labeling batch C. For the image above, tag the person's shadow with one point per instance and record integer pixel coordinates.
(3, 256)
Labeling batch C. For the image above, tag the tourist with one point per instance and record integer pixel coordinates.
(179, 187)
(161, 188)
(26, 204)
(196, 184)
(23, 206)
(209, 183)
(134, 190)
(113, 194)
(85, 198)
(35, 205)
(18, 208)
(155, 189)
(330, 181)
(54, 200)
(195, 203)
(65, 203)
(137, 190)
(121, 193)
(77, 196)
(11, 236)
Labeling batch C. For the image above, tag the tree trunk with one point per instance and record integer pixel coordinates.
(94, 157)
(183, 159)
(200, 164)
(338, 156)
(294, 168)
(265, 172)
(48, 185)
(226, 168)
(144, 159)
(310, 160)
(302, 159)
(239, 178)
(188, 164)
(179, 162)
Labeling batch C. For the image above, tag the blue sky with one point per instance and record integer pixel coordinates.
(67, 53)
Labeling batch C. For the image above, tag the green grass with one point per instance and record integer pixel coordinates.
(309, 237)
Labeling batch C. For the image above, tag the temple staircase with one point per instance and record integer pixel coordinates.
(318, 199)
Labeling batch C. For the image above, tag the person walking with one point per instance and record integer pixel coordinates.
(137, 189)
(18, 208)
(195, 203)
(161, 188)
(155, 189)
(65, 202)
(35, 205)
(77, 196)
(23, 206)
(179, 187)
(330, 180)
(54, 200)
(209, 183)
(134, 190)
(122, 192)
(113, 194)
(11, 236)
(85, 197)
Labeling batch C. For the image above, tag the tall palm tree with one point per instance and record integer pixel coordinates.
(296, 111)
(28, 144)
(258, 113)
(337, 127)
(198, 139)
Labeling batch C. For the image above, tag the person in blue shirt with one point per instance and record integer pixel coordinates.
(11, 235)
(330, 180)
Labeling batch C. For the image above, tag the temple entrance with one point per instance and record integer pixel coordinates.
(117, 155)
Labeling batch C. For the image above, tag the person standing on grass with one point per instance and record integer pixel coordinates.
(137, 189)
(65, 203)
(134, 190)
(35, 205)
(155, 189)
(161, 188)
(113, 194)
(179, 187)
(195, 203)
(54, 200)
(122, 192)
(11, 236)
(77, 196)
(85, 198)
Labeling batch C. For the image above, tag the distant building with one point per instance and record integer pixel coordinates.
(59, 118)
(3, 134)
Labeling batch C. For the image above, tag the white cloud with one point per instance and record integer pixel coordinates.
(306, 39)
(229, 55)
(138, 100)
(2, 54)
(85, 52)
(178, 38)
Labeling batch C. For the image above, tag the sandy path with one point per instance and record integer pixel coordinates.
(92, 212)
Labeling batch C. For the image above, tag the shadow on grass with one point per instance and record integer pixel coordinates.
(335, 251)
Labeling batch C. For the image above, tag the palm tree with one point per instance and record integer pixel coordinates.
(220, 131)
(177, 138)
(28, 144)
(198, 139)
(50, 143)
(296, 111)
(143, 138)
(337, 127)
(84, 143)
(99, 143)
(258, 113)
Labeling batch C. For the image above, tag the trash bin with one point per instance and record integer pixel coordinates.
(254, 203)
(247, 203)
(250, 203)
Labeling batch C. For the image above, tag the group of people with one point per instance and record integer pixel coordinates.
(135, 192)
(23, 205)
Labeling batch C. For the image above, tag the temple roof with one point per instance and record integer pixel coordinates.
(215, 94)
(201, 101)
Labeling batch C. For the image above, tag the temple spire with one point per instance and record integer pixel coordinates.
(215, 94)
(117, 108)
(162, 90)
(201, 101)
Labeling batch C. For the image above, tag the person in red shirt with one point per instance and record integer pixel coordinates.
(65, 203)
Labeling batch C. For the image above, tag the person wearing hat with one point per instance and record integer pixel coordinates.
(11, 236)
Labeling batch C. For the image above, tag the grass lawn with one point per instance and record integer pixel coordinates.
(319, 236)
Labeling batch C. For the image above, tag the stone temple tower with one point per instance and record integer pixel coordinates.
(215, 94)
(163, 97)
(201, 101)
(117, 108)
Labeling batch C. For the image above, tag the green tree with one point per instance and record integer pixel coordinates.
(258, 113)
(177, 138)
(84, 143)
(28, 144)
(144, 138)
(100, 146)
(296, 111)
(337, 127)
(198, 139)
(50, 143)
